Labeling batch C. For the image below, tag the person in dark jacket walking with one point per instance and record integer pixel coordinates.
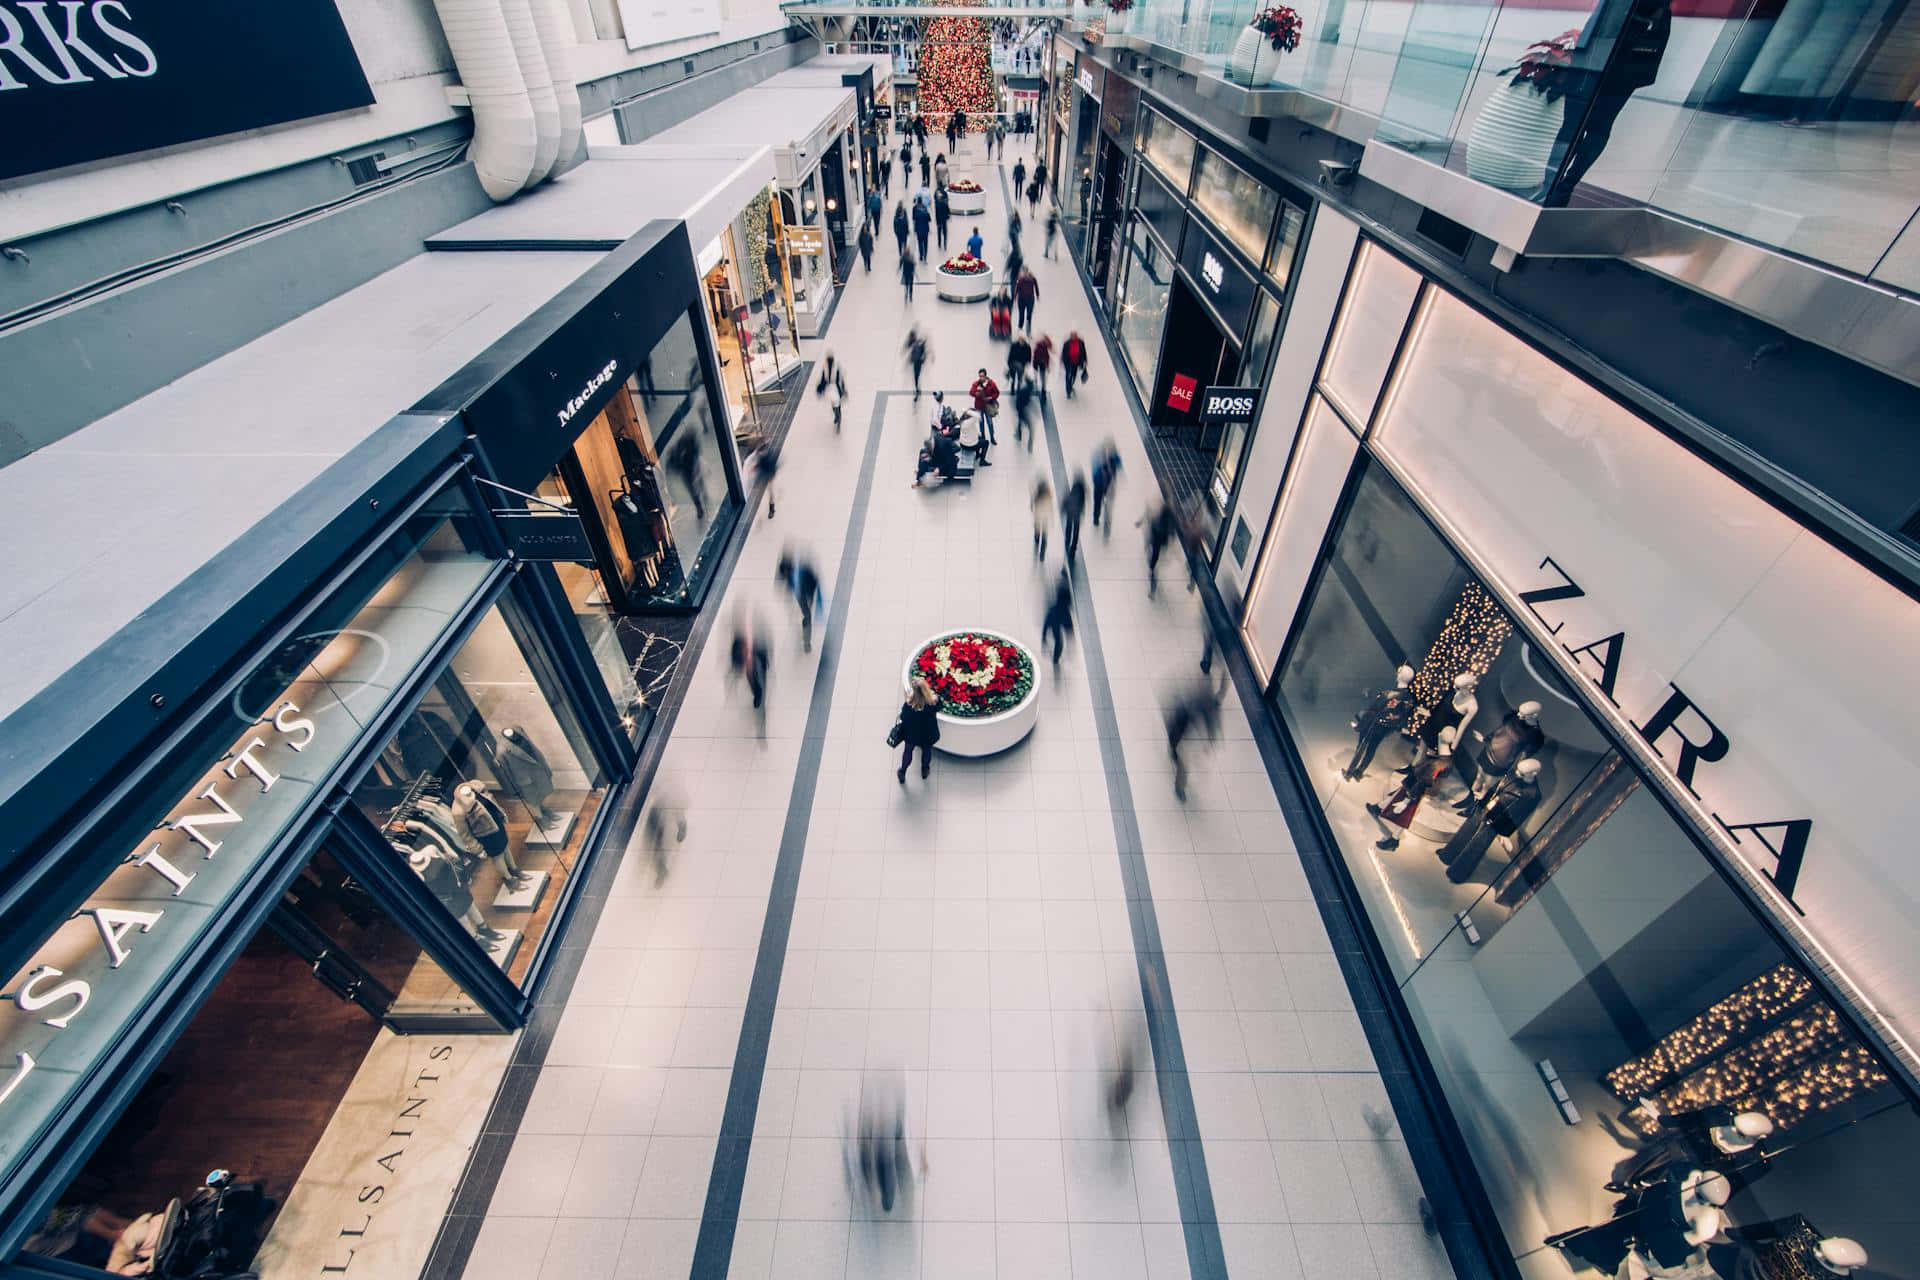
(886, 175)
(916, 350)
(750, 656)
(1073, 505)
(919, 728)
(907, 272)
(900, 224)
(1073, 361)
(942, 214)
(1058, 621)
(1106, 474)
(1161, 527)
(922, 223)
(1019, 177)
(1637, 32)
(1042, 361)
(1026, 292)
(866, 246)
(926, 169)
(1198, 709)
(874, 207)
(800, 580)
(1053, 232)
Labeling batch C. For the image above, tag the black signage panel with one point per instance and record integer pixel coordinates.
(1218, 278)
(1229, 404)
(546, 535)
(84, 80)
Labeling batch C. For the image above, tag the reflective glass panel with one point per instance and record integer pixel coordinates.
(1237, 202)
(1167, 147)
(1143, 307)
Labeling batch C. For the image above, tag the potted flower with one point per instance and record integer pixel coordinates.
(963, 278)
(1511, 143)
(1272, 34)
(1117, 11)
(964, 195)
(988, 687)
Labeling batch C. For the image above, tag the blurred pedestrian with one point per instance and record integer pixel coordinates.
(803, 584)
(1057, 622)
(1025, 412)
(1106, 474)
(1131, 1056)
(926, 169)
(918, 727)
(907, 271)
(838, 401)
(900, 225)
(866, 246)
(1042, 361)
(663, 816)
(1161, 526)
(942, 214)
(1033, 198)
(1040, 175)
(1019, 177)
(886, 175)
(874, 207)
(1026, 291)
(766, 465)
(1199, 708)
(941, 174)
(1073, 361)
(976, 246)
(916, 349)
(1019, 356)
(1210, 642)
(749, 658)
(879, 1159)
(922, 224)
(1072, 505)
(1042, 517)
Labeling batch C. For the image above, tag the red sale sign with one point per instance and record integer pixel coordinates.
(1181, 397)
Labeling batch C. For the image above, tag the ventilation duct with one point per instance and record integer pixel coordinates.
(557, 39)
(505, 135)
(533, 69)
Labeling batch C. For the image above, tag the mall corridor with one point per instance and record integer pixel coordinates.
(987, 948)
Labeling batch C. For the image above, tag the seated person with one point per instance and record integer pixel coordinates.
(940, 453)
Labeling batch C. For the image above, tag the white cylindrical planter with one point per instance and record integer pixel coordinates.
(1117, 22)
(975, 736)
(966, 203)
(955, 286)
(1512, 140)
(1254, 61)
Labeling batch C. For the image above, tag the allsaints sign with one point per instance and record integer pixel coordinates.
(83, 80)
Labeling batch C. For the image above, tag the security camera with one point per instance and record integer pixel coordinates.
(1336, 173)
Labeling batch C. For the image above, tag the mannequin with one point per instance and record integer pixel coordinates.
(481, 821)
(1418, 779)
(1516, 736)
(1500, 815)
(1712, 1137)
(448, 880)
(1390, 709)
(441, 819)
(1840, 1255)
(523, 769)
(1456, 712)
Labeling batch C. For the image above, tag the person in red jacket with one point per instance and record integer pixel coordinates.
(1073, 361)
(1042, 360)
(986, 402)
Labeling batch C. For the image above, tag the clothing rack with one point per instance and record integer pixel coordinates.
(426, 786)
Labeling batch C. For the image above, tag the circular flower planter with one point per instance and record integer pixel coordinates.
(987, 669)
(963, 203)
(962, 286)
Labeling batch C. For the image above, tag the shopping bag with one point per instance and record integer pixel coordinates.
(897, 734)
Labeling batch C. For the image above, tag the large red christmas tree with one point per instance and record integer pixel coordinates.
(955, 70)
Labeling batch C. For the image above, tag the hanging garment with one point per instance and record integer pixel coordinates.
(522, 768)
(445, 824)
(442, 873)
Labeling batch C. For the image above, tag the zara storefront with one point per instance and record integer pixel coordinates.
(293, 850)
(1617, 757)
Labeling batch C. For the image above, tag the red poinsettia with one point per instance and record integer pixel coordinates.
(1281, 26)
(976, 675)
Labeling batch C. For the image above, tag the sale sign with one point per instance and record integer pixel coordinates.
(1181, 397)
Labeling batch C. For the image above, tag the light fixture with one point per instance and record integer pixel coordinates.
(832, 204)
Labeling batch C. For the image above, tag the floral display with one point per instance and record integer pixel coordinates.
(1281, 26)
(1544, 65)
(965, 264)
(1119, 6)
(955, 72)
(975, 674)
(966, 186)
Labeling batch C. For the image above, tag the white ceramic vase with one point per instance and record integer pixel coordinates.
(1117, 22)
(1254, 61)
(1512, 139)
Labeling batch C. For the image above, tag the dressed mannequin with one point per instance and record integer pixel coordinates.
(1390, 709)
(481, 821)
(447, 879)
(1517, 736)
(442, 820)
(1712, 1137)
(525, 771)
(1416, 780)
(1456, 712)
(1500, 815)
(1840, 1255)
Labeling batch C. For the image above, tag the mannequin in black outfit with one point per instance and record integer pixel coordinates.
(525, 770)
(1390, 709)
(1504, 811)
(1517, 736)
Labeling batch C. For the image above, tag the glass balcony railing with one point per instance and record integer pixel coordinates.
(1790, 123)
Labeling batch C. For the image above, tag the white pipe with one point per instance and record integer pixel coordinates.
(557, 40)
(505, 135)
(533, 68)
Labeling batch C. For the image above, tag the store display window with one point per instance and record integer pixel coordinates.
(1167, 147)
(1646, 1078)
(1236, 202)
(1142, 306)
(488, 790)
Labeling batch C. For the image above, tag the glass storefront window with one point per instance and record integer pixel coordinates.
(273, 1068)
(1239, 204)
(1286, 244)
(1142, 309)
(1367, 332)
(1253, 373)
(1609, 1020)
(1168, 147)
(488, 790)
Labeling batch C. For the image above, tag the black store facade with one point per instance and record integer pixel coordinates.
(1598, 739)
(1200, 280)
(293, 854)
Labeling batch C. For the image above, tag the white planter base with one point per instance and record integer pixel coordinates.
(966, 204)
(987, 735)
(968, 288)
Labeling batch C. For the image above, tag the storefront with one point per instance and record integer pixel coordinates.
(1201, 287)
(1080, 139)
(1106, 197)
(1551, 679)
(296, 835)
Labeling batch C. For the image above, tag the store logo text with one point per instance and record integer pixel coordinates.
(68, 42)
(404, 1124)
(598, 381)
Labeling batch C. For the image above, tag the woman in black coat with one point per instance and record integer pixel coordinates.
(919, 727)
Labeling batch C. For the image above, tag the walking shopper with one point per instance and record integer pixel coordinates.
(916, 349)
(918, 727)
(1026, 292)
(922, 224)
(1106, 474)
(1211, 640)
(1024, 404)
(1019, 177)
(1058, 620)
(975, 245)
(900, 225)
(986, 403)
(663, 816)
(866, 246)
(804, 584)
(751, 653)
(906, 272)
(1160, 530)
(1019, 353)
(942, 214)
(1197, 709)
(1042, 517)
(926, 169)
(1073, 361)
(766, 465)
(1040, 175)
(886, 175)
(1072, 505)
(838, 401)
(874, 207)
(1042, 361)
(940, 173)
(1053, 232)
(1033, 198)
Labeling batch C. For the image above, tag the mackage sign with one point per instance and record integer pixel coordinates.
(84, 80)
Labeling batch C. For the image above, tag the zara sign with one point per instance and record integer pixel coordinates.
(84, 80)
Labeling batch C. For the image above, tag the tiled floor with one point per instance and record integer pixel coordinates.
(970, 938)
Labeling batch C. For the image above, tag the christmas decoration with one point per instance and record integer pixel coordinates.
(756, 219)
(1470, 640)
(955, 71)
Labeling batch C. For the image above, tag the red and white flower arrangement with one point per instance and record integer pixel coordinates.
(1281, 26)
(965, 185)
(976, 675)
(965, 265)
(1544, 65)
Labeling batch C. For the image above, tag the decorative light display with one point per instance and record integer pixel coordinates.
(956, 71)
(1470, 640)
(756, 219)
(1772, 1046)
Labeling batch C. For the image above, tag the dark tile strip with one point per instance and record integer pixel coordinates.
(460, 1227)
(713, 1251)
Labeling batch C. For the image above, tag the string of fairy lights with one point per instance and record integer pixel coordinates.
(956, 69)
(1470, 639)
